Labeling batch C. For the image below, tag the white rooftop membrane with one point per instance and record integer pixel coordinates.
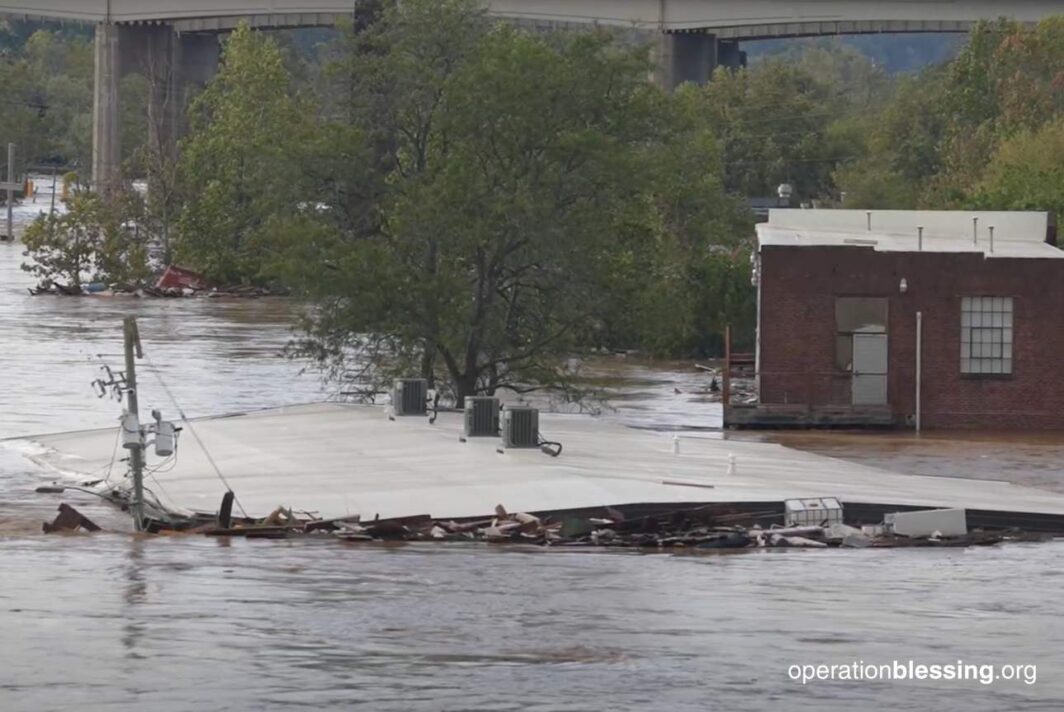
(1016, 234)
(338, 460)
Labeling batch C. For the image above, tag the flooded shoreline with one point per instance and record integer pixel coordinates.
(118, 622)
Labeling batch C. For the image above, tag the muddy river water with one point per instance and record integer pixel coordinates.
(116, 622)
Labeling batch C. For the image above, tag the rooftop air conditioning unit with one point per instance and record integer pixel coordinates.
(410, 396)
(520, 427)
(481, 416)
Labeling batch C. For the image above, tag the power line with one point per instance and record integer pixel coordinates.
(831, 159)
(217, 470)
(788, 117)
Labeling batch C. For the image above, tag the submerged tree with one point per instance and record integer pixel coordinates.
(510, 169)
(95, 241)
(240, 164)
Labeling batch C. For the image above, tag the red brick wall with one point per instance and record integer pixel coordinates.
(797, 332)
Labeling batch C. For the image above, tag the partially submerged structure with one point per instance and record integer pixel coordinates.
(918, 318)
(339, 461)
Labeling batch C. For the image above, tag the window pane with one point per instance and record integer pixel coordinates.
(986, 334)
(867, 314)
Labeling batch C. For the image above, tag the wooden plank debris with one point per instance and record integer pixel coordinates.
(69, 520)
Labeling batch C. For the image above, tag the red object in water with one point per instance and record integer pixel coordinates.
(180, 278)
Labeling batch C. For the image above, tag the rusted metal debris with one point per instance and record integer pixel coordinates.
(180, 278)
(69, 519)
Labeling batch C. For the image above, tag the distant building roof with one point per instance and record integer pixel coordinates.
(761, 205)
(1016, 234)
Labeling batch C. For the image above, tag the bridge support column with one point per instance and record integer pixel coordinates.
(730, 55)
(106, 147)
(693, 56)
(152, 51)
(171, 63)
(199, 57)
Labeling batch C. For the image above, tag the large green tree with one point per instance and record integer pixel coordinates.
(931, 146)
(792, 121)
(1026, 172)
(509, 179)
(46, 107)
(241, 163)
(903, 146)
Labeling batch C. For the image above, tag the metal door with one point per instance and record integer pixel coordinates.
(869, 369)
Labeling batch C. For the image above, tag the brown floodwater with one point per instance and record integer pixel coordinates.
(1032, 459)
(117, 622)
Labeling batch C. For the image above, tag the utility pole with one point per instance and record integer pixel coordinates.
(134, 441)
(10, 186)
(55, 173)
(919, 363)
(10, 193)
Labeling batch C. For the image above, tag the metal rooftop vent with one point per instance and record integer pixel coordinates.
(520, 427)
(410, 396)
(481, 416)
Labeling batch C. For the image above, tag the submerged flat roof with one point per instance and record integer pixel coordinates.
(1017, 234)
(338, 460)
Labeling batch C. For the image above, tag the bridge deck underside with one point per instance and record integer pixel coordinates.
(728, 19)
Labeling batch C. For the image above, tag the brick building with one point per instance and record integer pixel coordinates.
(839, 294)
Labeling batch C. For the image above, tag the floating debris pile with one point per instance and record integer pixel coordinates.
(692, 529)
(172, 283)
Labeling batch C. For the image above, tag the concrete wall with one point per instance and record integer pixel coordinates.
(797, 332)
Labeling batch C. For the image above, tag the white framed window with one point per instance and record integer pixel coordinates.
(986, 335)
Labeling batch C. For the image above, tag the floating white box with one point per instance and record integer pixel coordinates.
(948, 522)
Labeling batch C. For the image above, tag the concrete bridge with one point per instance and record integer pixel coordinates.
(174, 42)
(745, 19)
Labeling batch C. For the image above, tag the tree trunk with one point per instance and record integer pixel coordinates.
(427, 370)
(465, 385)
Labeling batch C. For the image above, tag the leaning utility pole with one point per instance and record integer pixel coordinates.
(133, 437)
